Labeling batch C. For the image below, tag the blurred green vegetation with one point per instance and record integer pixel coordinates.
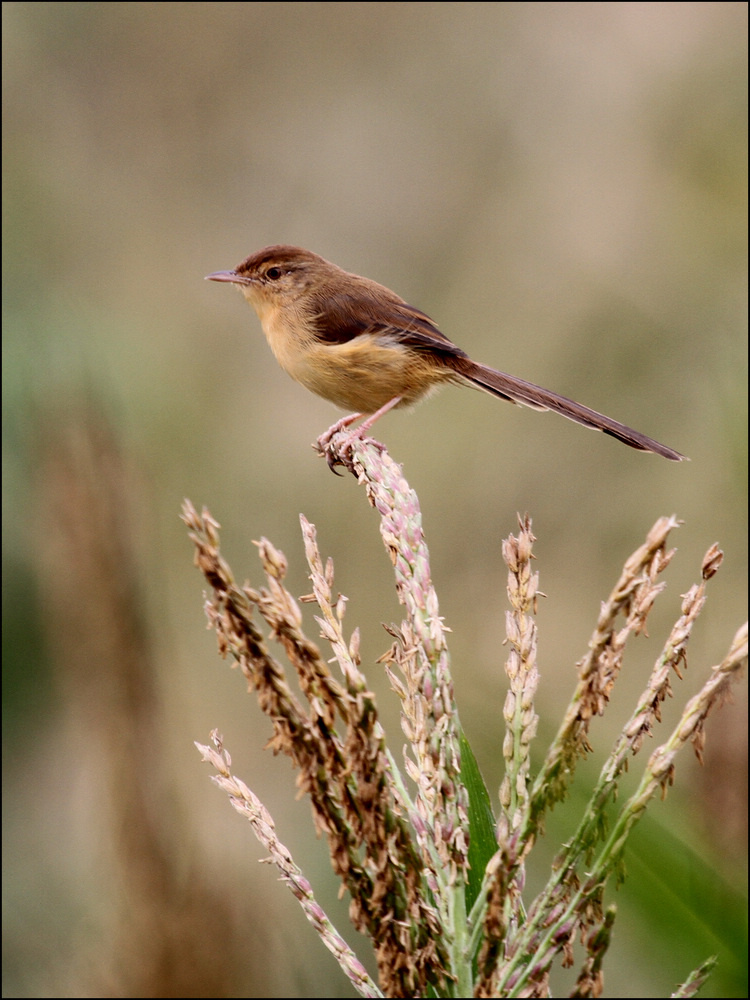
(562, 187)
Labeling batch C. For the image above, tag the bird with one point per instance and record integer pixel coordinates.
(364, 348)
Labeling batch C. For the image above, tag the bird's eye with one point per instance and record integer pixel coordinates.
(273, 273)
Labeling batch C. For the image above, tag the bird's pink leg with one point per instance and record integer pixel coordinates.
(325, 439)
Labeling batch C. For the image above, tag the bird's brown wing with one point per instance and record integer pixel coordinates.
(340, 317)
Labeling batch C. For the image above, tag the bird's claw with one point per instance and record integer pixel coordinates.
(333, 456)
(332, 460)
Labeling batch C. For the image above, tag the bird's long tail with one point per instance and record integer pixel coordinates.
(516, 390)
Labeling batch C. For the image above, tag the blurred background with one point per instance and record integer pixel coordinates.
(562, 187)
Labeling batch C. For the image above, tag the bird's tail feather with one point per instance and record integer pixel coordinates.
(517, 390)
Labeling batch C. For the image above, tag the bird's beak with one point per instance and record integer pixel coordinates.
(230, 276)
(221, 276)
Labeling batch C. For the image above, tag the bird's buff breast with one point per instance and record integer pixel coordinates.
(362, 374)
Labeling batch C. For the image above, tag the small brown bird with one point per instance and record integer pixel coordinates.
(361, 346)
